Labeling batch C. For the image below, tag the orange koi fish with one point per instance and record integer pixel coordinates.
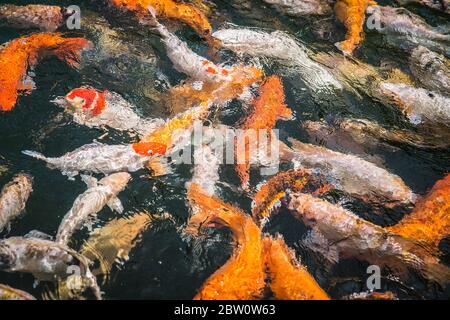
(268, 107)
(294, 180)
(289, 280)
(161, 139)
(242, 277)
(168, 9)
(20, 54)
(352, 13)
(430, 220)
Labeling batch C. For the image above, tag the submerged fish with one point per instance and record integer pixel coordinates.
(206, 169)
(20, 54)
(242, 277)
(419, 105)
(8, 293)
(288, 279)
(407, 30)
(430, 220)
(32, 16)
(354, 175)
(13, 198)
(278, 45)
(88, 204)
(352, 14)
(431, 69)
(97, 158)
(299, 8)
(267, 108)
(440, 5)
(46, 260)
(354, 237)
(115, 240)
(95, 108)
(167, 9)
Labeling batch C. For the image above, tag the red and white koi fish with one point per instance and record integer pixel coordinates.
(95, 108)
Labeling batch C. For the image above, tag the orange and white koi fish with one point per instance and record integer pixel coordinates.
(351, 13)
(33, 16)
(97, 158)
(430, 220)
(89, 203)
(354, 175)
(352, 236)
(8, 293)
(95, 108)
(273, 190)
(13, 198)
(267, 108)
(18, 55)
(167, 9)
(242, 277)
(289, 280)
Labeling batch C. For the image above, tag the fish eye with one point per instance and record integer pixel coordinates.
(150, 152)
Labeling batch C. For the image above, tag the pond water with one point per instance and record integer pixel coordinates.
(131, 61)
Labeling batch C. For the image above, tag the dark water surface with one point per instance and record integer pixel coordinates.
(131, 61)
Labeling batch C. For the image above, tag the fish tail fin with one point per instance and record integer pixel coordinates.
(35, 155)
(70, 50)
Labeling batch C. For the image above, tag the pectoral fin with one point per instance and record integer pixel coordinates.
(89, 180)
(38, 234)
(115, 205)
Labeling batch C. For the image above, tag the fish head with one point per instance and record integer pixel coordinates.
(86, 99)
(150, 148)
(117, 181)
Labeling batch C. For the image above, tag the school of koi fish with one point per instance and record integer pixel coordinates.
(140, 75)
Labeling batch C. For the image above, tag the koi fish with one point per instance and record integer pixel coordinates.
(206, 169)
(9, 293)
(354, 175)
(268, 107)
(115, 240)
(13, 198)
(94, 108)
(267, 198)
(168, 9)
(289, 280)
(354, 237)
(352, 14)
(441, 5)
(242, 277)
(18, 55)
(419, 105)
(406, 30)
(32, 16)
(88, 204)
(282, 47)
(388, 295)
(430, 220)
(431, 69)
(97, 158)
(45, 259)
(300, 8)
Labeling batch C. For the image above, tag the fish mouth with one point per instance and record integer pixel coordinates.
(6, 258)
(60, 101)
